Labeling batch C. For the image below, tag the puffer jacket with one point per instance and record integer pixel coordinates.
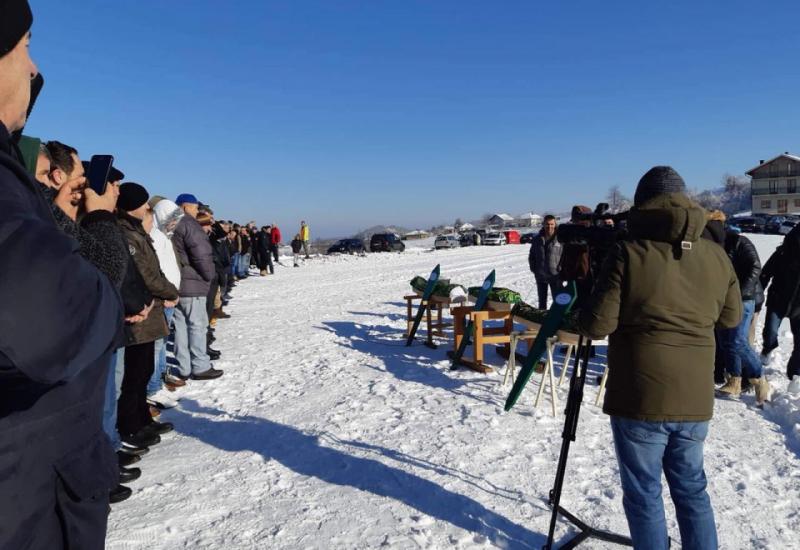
(544, 256)
(194, 256)
(146, 260)
(659, 296)
(782, 270)
(746, 263)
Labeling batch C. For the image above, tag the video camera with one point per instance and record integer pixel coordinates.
(598, 229)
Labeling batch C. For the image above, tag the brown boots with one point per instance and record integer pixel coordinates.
(733, 388)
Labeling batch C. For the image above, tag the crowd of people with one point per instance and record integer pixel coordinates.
(97, 284)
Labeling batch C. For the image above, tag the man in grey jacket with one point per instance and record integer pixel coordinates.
(543, 258)
(197, 270)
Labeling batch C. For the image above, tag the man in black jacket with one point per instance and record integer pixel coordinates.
(739, 358)
(61, 321)
(543, 259)
(782, 270)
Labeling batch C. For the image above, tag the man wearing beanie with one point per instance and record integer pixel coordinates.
(134, 422)
(659, 295)
(60, 322)
(197, 271)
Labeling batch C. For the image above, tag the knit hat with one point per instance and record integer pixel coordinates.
(659, 180)
(186, 198)
(131, 196)
(17, 19)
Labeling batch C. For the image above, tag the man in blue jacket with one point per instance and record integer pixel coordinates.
(61, 318)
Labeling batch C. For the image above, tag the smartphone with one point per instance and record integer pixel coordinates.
(99, 169)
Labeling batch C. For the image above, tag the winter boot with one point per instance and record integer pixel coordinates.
(762, 389)
(732, 388)
(263, 272)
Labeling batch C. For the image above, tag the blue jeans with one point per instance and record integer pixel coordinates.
(235, 259)
(191, 324)
(116, 370)
(644, 450)
(160, 347)
(244, 264)
(771, 325)
(740, 357)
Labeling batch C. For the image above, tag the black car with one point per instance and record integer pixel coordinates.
(773, 225)
(527, 238)
(386, 242)
(347, 246)
(751, 225)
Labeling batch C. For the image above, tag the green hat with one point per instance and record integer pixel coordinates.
(29, 147)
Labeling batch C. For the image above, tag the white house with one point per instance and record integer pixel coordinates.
(501, 220)
(774, 185)
(529, 219)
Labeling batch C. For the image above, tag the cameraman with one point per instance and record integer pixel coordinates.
(543, 259)
(659, 296)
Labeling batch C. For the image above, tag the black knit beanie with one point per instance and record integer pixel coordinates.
(131, 196)
(659, 180)
(16, 20)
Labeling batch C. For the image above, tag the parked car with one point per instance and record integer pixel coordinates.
(787, 226)
(773, 225)
(386, 242)
(446, 241)
(347, 246)
(467, 238)
(494, 239)
(751, 225)
(527, 238)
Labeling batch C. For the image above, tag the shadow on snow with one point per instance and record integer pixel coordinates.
(304, 453)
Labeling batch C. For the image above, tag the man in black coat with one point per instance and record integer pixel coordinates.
(62, 318)
(782, 270)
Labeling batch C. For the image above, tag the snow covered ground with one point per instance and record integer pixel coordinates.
(325, 432)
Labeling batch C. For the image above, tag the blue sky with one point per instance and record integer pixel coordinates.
(349, 114)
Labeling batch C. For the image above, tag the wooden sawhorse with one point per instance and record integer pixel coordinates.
(435, 326)
(482, 335)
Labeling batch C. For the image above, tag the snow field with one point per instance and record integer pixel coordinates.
(326, 432)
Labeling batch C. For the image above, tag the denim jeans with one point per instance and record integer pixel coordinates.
(772, 323)
(161, 356)
(116, 371)
(234, 267)
(740, 358)
(191, 323)
(244, 264)
(644, 450)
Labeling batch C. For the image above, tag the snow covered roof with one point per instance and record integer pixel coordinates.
(417, 232)
(529, 216)
(466, 226)
(784, 155)
(504, 217)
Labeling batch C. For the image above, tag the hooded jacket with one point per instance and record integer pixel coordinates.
(146, 260)
(782, 270)
(659, 296)
(195, 258)
(746, 264)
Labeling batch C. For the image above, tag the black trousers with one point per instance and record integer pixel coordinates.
(541, 289)
(212, 293)
(274, 250)
(133, 414)
(265, 261)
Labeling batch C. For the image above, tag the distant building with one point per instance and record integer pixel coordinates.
(774, 185)
(501, 220)
(418, 234)
(529, 219)
(465, 227)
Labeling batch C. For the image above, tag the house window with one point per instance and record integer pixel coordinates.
(773, 187)
(797, 203)
(766, 204)
(791, 186)
(783, 206)
(789, 168)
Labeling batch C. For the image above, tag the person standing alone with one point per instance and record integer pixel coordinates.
(543, 259)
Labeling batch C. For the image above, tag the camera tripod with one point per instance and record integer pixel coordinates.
(574, 400)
